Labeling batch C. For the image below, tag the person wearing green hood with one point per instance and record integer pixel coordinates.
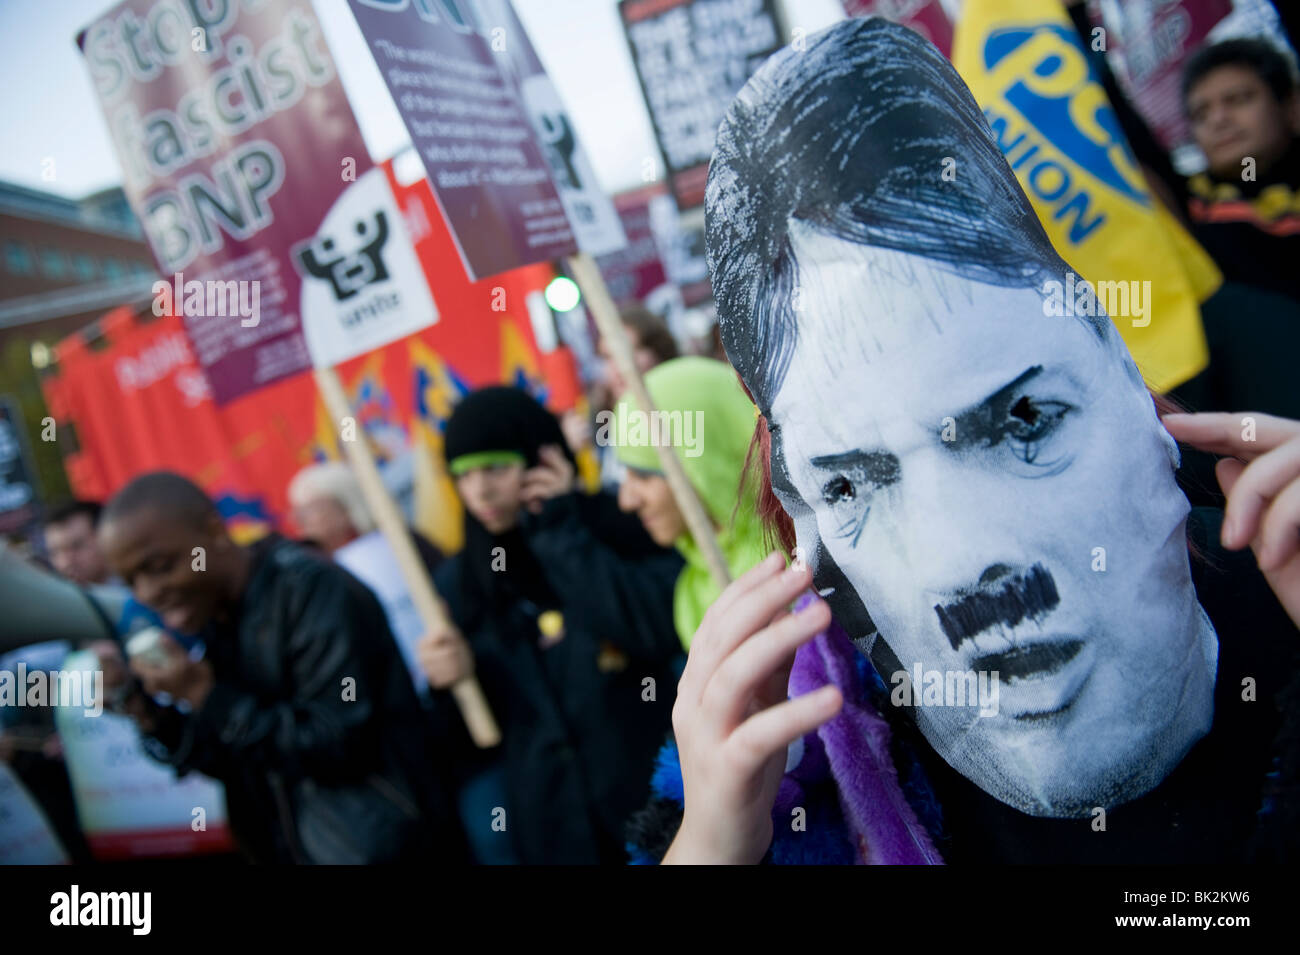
(701, 408)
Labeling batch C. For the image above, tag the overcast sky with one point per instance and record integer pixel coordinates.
(49, 108)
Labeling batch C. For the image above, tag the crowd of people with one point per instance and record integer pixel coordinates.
(647, 712)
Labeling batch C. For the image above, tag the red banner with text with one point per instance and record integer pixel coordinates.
(137, 400)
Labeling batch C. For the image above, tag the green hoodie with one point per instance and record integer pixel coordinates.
(723, 420)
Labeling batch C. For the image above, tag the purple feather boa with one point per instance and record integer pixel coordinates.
(855, 747)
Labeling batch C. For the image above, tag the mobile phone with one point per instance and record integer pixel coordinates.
(147, 647)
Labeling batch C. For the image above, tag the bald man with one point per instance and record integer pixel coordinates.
(300, 703)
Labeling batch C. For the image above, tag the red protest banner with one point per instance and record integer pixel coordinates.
(137, 400)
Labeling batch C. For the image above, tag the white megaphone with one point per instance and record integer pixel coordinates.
(36, 606)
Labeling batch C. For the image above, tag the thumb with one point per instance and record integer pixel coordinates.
(1228, 472)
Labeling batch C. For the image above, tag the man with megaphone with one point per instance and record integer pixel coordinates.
(300, 704)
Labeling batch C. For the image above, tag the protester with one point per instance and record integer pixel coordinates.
(1241, 101)
(301, 706)
(958, 470)
(328, 506)
(71, 543)
(1243, 112)
(712, 413)
(651, 343)
(1243, 108)
(330, 510)
(565, 607)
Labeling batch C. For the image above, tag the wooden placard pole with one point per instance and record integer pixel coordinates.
(467, 693)
(605, 312)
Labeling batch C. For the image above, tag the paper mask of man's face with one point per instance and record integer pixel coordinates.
(985, 487)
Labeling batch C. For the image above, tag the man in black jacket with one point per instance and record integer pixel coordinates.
(300, 705)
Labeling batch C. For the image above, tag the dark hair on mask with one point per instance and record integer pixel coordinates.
(852, 136)
(1259, 56)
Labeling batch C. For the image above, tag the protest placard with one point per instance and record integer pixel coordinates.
(246, 166)
(692, 57)
(501, 151)
(244, 163)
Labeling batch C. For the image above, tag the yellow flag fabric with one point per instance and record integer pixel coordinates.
(438, 512)
(1026, 67)
(588, 463)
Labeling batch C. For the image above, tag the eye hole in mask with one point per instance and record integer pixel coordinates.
(1030, 423)
(1025, 411)
(838, 490)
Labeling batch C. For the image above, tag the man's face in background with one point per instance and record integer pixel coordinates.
(74, 550)
(1233, 114)
(995, 487)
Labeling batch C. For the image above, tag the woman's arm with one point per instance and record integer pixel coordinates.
(732, 718)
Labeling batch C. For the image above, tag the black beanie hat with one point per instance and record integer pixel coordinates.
(501, 418)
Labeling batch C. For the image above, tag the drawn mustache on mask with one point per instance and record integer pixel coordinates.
(1001, 598)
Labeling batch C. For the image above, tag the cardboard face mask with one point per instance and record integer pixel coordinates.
(983, 486)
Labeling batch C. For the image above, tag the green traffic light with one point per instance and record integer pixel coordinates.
(562, 294)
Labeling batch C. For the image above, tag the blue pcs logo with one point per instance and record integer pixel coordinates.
(1045, 75)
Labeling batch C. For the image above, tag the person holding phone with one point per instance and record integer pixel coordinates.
(562, 606)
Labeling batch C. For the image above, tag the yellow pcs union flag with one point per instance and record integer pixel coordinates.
(1026, 67)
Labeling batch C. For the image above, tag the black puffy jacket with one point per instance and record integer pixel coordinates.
(313, 725)
(582, 717)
